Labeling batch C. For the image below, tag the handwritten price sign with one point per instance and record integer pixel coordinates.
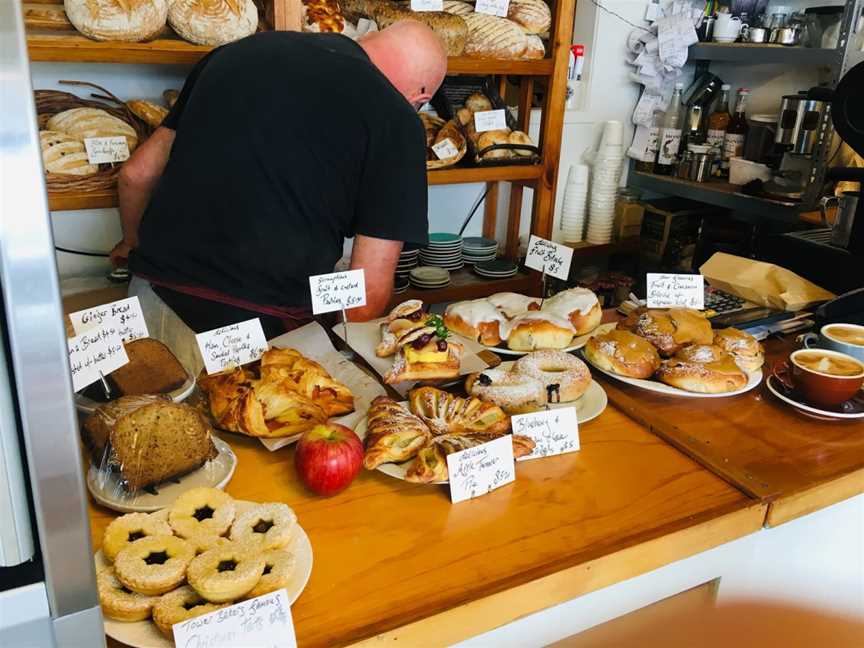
(554, 431)
(232, 346)
(126, 314)
(552, 257)
(481, 469)
(675, 290)
(106, 150)
(490, 120)
(427, 5)
(337, 290)
(493, 7)
(261, 622)
(99, 350)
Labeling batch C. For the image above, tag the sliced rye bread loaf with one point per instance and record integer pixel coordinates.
(152, 369)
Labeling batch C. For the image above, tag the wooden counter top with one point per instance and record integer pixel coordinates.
(397, 559)
(768, 449)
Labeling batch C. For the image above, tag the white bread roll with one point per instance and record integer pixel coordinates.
(64, 154)
(213, 22)
(117, 20)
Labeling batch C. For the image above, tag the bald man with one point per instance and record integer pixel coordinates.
(279, 147)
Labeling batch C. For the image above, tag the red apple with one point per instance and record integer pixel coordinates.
(328, 458)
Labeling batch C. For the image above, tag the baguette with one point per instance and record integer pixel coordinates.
(148, 112)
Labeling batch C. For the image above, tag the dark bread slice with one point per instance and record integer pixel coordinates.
(152, 369)
(159, 441)
(96, 430)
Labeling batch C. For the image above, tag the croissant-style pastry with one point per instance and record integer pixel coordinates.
(393, 433)
(448, 414)
(308, 378)
(669, 330)
(430, 465)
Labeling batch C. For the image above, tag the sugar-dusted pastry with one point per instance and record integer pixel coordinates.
(202, 510)
(182, 604)
(128, 528)
(393, 433)
(512, 304)
(669, 330)
(477, 320)
(513, 392)
(702, 368)
(538, 330)
(154, 565)
(278, 569)
(118, 602)
(743, 347)
(445, 413)
(118, 20)
(624, 353)
(224, 574)
(564, 377)
(213, 22)
(266, 526)
(578, 305)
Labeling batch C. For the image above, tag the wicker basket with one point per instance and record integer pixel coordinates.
(448, 162)
(51, 102)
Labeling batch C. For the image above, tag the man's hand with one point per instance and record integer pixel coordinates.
(120, 254)
(378, 258)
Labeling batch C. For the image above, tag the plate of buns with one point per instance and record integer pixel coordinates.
(152, 369)
(676, 352)
(513, 324)
(411, 440)
(146, 450)
(202, 553)
(540, 380)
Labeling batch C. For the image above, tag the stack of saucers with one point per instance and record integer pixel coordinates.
(400, 284)
(429, 277)
(477, 249)
(497, 269)
(407, 262)
(444, 251)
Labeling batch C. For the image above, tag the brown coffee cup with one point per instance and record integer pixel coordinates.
(820, 387)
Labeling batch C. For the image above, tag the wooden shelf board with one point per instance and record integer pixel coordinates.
(468, 65)
(81, 200)
(66, 47)
(460, 175)
(464, 284)
(584, 249)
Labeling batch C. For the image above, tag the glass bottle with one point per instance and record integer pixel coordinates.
(646, 164)
(736, 132)
(670, 134)
(718, 122)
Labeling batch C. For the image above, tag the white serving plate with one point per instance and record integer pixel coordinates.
(754, 378)
(88, 405)
(104, 485)
(145, 634)
(810, 409)
(575, 345)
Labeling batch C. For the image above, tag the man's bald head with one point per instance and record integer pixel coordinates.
(411, 56)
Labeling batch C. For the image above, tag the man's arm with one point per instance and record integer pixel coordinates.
(138, 177)
(378, 258)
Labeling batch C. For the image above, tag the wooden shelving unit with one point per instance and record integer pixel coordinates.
(83, 200)
(464, 284)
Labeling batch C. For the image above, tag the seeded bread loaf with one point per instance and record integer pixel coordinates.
(92, 122)
(155, 442)
(97, 427)
(533, 16)
(64, 154)
(494, 37)
(118, 20)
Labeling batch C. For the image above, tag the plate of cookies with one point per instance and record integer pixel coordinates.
(205, 552)
(513, 324)
(411, 440)
(540, 380)
(676, 352)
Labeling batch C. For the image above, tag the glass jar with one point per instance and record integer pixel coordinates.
(628, 214)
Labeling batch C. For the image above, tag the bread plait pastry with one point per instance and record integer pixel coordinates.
(118, 20)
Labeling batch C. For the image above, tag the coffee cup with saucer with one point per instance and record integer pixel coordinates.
(820, 381)
(845, 338)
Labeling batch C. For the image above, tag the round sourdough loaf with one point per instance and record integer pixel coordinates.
(534, 16)
(92, 122)
(213, 22)
(118, 20)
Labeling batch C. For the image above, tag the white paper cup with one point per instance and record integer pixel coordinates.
(613, 133)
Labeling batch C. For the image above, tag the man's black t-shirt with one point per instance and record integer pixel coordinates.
(286, 143)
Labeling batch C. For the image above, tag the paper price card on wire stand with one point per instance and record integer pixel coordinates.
(481, 469)
(337, 291)
(549, 257)
(427, 5)
(95, 354)
(492, 7)
(489, 120)
(444, 150)
(554, 431)
(106, 150)
(675, 290)
(232, 346)
(261, 622)
(127, 314)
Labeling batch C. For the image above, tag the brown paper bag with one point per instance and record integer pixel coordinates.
(762, 283)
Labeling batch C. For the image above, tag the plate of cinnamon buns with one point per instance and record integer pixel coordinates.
(675, 351)
(514, 324)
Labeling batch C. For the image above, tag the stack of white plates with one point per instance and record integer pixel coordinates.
(407, 262)
(498, 269)
(477, 249)
(444, 251)
(429, 277)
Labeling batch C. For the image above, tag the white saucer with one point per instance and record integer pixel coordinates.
(810, 409)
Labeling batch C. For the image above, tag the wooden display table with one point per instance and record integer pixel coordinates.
(766, 448)
(397, 559)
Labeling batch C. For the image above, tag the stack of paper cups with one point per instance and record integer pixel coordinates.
(573, 206)
(608, 163)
